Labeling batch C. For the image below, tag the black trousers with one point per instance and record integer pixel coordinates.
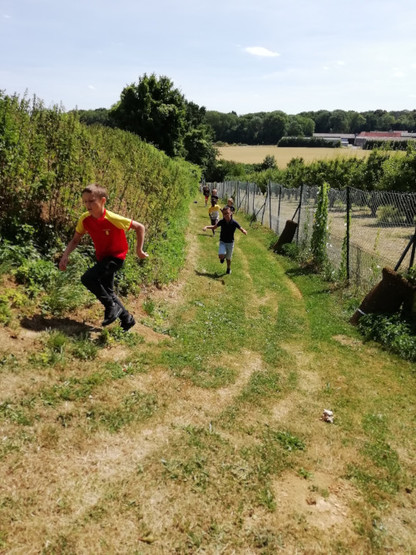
(99, 279)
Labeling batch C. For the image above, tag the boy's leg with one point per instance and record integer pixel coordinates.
(127, 320)
(229, 255)
(100, 281)
(221, 252)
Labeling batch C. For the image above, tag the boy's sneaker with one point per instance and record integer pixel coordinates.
(111, 314)
(228, 270)
(222, 260)
(128, 323)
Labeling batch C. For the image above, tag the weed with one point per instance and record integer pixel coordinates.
(5, 312)
(14, 413)
(84, 349)
(304, 473)
(288, 441)
(149, 306)
(116, 334)
(137, 407)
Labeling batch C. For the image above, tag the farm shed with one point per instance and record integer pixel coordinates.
(345, 138)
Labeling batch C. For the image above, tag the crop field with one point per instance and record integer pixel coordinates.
(256, 154)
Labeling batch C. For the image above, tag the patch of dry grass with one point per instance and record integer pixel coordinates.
(210, 438)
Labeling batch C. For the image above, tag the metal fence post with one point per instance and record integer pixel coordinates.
(300, 211)
(348, 233)
(247, 198)
(264, 207)
(278, 208)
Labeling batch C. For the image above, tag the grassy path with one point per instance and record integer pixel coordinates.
(202, 431)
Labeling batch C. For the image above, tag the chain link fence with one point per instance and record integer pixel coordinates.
(367, 230)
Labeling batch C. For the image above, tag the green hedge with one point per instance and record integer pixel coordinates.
(47, 157)
(311, 142)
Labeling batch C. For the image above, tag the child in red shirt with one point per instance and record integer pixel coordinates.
(107, 231)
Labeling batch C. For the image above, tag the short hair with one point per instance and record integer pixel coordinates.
(96, 190)
(226, 207)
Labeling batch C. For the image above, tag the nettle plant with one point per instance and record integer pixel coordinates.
(320, 231)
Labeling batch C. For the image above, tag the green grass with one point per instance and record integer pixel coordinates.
(205, 434)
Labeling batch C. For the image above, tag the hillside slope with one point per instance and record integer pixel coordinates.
(201, 431)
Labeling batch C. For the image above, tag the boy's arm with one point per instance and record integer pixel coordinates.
(140, 231)
(72, 245)
(243, 230)
(210, 227)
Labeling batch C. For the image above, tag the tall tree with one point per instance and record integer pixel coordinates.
(274, 127)
(154, 110)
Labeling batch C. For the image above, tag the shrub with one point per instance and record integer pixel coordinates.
(312, 142)
(5, 312)
(320, 228)
(392, 331)
(36, 275)
(388, 215)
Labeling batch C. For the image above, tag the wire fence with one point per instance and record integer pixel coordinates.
(367, 230)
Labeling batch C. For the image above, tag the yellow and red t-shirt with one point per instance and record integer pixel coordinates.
(108, 233)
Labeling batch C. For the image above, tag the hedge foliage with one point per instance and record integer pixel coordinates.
(48, 156)
(311, 142)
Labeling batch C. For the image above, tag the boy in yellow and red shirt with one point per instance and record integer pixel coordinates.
(107, 231)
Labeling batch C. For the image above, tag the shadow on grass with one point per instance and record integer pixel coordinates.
(310, 271)
(65, 325)
(304, 271)
(215, 275)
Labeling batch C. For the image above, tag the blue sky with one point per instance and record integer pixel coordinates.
(246, 55)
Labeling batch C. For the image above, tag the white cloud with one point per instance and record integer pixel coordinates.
(261, 51)
(91, 87)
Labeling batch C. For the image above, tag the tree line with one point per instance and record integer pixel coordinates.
(270, 127)
(381, 171)
(160, 114)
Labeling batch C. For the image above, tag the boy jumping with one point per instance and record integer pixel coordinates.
(107, 231)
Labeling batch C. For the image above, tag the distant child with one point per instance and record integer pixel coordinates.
(214, 213)
(228, 226)
(205, 192)
(214, 195)
(230, 204)
(107, 231)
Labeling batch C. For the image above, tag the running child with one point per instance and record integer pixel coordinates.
(107, 231)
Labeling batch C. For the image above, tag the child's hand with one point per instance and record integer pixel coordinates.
(141, 254)
(63, 263)
(204, 228)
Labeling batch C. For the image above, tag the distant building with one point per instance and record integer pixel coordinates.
(345, 138)
(361, 139)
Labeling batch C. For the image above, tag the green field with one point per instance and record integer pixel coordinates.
(256, 154)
